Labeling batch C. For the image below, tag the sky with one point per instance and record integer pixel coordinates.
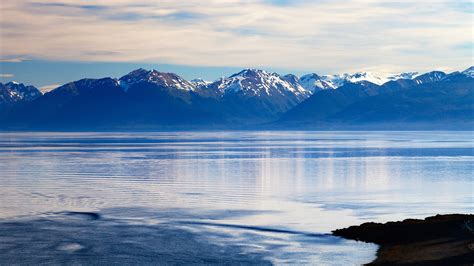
(47, 43)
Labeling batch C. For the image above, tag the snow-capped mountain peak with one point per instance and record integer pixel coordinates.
(257, 83)
(379, 78)
(314, 82)
(14, 92)
(291, 78)
(295, 82)
(403, 75)
(168, 80)
(432, 76)
(200, 83)
(365, 76)
(469, 72)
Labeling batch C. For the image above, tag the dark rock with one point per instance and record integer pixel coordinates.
(437, 240)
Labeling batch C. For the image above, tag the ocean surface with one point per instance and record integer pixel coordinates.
(220, 197)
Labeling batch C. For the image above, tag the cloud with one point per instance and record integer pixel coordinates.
(12, 60)
(48, 88)
(6, 75)
(328, 36)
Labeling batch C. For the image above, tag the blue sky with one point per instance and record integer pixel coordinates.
(45, 42)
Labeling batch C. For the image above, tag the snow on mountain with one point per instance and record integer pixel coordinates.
(292, 79)
(378, 79)
(365, 76)
(295, 82)
(403, 75)
(168, 80)
(429, 77)
(199, 83)
(469, 72)
(314, 82)
(254, 82)
(12, 92)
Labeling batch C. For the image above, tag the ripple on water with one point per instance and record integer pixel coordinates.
(248, 190)
(61, 238)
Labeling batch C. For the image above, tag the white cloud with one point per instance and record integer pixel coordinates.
(332, 36)
(6, 75)
(12, 60)
(48, 88)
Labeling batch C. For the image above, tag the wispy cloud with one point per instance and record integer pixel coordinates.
(12, 60)
(6, 75)
(322, 35)
(47, 88)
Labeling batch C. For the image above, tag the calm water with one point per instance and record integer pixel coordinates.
(214, 197)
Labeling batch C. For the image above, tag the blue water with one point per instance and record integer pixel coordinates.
(220, 197)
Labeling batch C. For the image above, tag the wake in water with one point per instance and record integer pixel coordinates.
(88, 237)
(82, 238)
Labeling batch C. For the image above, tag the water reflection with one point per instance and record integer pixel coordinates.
(311, 182)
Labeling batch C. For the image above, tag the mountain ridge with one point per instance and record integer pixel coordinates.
(249, 97)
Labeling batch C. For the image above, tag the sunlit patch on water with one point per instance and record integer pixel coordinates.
(69, 247)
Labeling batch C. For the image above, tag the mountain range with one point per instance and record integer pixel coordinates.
(149, 99)
(14, 93)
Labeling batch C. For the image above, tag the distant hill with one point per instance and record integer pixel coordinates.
(13, 93)
(432, 100)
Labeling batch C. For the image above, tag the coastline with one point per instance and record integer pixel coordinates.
(436, 240)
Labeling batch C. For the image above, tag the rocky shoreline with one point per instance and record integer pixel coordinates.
(437, 240)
